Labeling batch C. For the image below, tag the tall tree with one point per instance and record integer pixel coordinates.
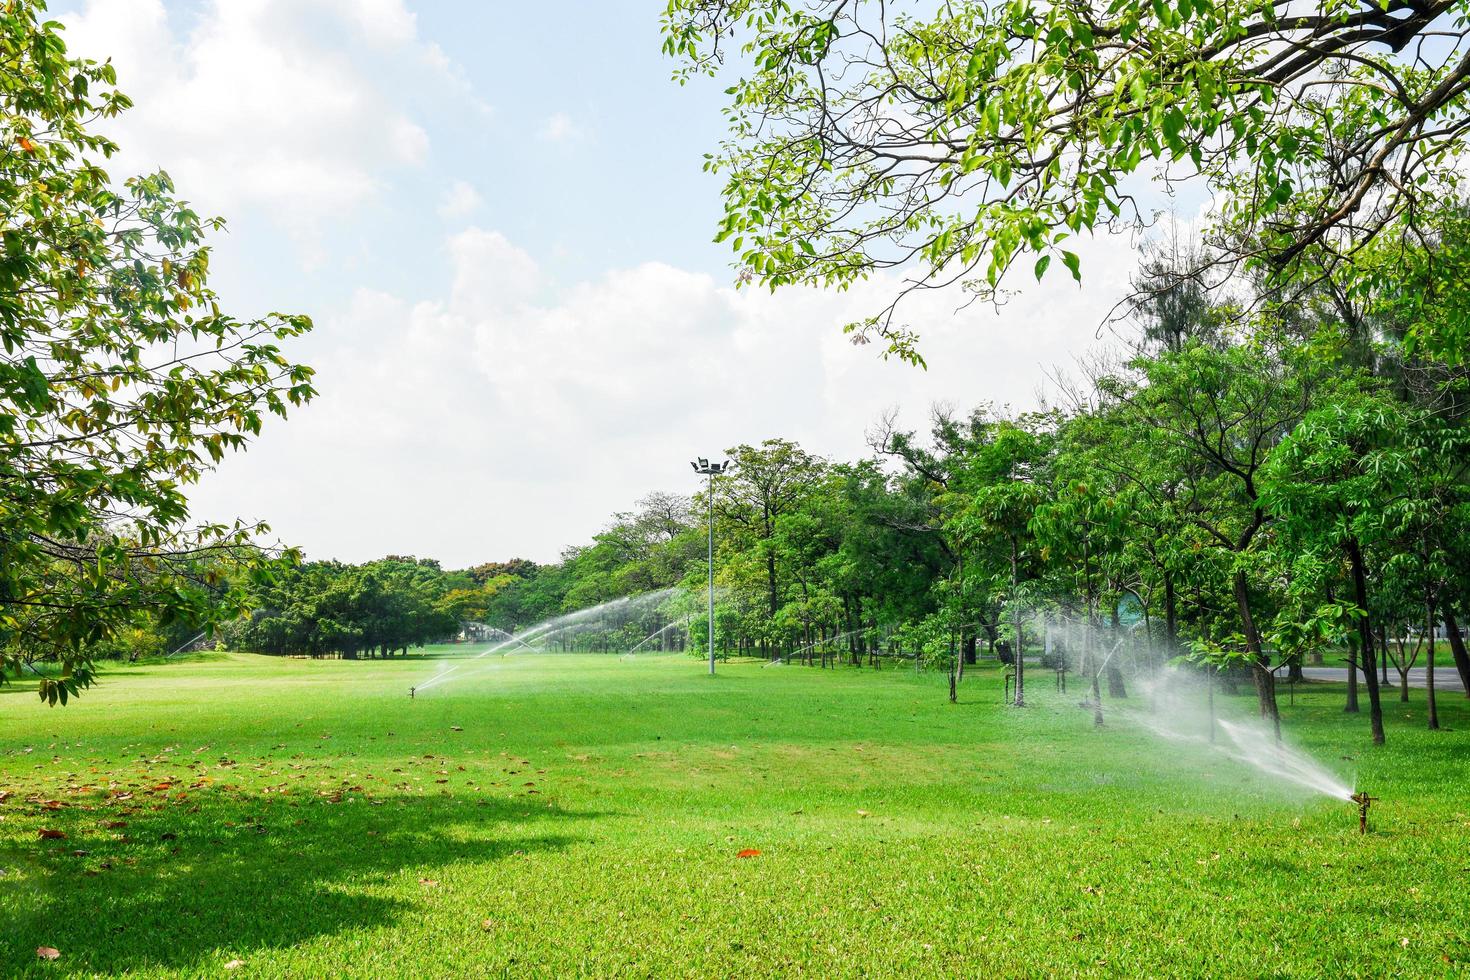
(1326, 485)
(1213, 416)
(765, 482)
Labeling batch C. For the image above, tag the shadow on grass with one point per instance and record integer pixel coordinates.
(187, 884)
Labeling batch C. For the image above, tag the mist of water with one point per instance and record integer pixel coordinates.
(831, 639)
(658, 632)
(1179, 713)
(1257, 747)
(593, 617)
(512, 638)
(1180, 707)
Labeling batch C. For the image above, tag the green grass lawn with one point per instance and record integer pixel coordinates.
(560, 815)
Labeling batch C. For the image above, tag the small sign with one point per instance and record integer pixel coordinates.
(1130, 609)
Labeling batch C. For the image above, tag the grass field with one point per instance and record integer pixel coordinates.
(561, 815)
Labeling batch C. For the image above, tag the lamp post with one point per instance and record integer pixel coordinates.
(705, 468)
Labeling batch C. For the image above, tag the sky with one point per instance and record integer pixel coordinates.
(496, 215)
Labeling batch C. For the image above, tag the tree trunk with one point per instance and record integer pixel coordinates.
(1430, 706)
(1171, 616)
(1089, 655)
(1116, 688)
(1355, 666)
(1210, 686)
(1097, 713)
(771, 583)
(1365, 639)
(1457, 645)
(1383, 646)
(1114, 672)
(1020, 701)
(1265, 680)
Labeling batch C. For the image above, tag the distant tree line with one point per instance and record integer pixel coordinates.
(386, 607)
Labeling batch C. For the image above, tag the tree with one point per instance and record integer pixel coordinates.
(1080, 528)
(1212, 416)
(947, 143)
(999, 484)
(121, 379)
(972, 561)
(766, 482)
(1326, 486)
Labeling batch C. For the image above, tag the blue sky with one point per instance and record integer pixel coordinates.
(496, 214)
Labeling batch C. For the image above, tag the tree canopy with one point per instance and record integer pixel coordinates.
(946, 141)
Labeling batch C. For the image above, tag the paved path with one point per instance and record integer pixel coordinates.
(1446, 678)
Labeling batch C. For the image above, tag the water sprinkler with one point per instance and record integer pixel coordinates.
(411, 692)
(1364, 801)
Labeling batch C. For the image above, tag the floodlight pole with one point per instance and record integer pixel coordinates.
(711, 503)
(711, 470)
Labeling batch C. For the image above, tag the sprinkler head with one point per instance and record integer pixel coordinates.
(411, 692)
(1364, 801)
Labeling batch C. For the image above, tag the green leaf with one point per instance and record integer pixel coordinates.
(1073, 263)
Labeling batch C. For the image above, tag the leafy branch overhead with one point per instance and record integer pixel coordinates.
(947, 141)
(121, 378)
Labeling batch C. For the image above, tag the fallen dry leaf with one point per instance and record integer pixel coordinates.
(234, 964)
(52, 834)
(48, 952)
(428, 882)
(749, 852)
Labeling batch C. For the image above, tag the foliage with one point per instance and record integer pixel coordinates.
(121, 379)
(327, 608)
(951, 140)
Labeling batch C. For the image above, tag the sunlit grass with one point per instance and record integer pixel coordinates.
(556, 815)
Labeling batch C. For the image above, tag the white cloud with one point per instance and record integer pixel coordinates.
(460, 199)
(285, 105)
(508, 416)
(559, 128)
(384, 22)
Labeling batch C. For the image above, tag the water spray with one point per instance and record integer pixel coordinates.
(657, 632)
(811, 646)
(1364, 801)
(549, 627)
